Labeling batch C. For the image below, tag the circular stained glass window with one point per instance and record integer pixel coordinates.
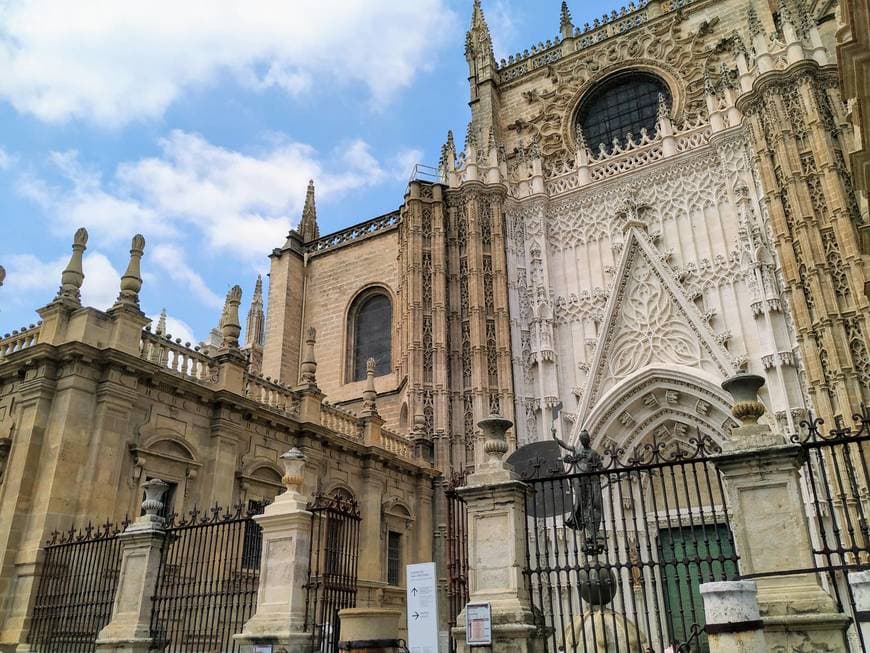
(621, 105)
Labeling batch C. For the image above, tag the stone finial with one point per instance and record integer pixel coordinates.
(161, 324)
(308, 368)
(581, 139)
(370, 395)
(566, 27)
(664, 111)
(131, 282)
(231, 329)
(495, 443)
(294, 466)
(744, 389)
(753, 22)
(72, 277)
(2, 275)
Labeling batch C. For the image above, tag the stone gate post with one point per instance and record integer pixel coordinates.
(495, 502)
(761, 475)
(129, 630)
(280, 617)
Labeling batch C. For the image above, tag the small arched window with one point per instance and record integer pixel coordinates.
(371, 325)
(621, 105)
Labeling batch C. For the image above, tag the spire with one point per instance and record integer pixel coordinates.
(161, 323)
(308, 228)
(566, 27)
(255, 332)
(478, 41)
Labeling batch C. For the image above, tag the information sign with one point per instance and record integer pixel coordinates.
(422, 608)
(478, 624)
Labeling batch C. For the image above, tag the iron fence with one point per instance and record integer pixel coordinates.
(208, 580)
(837, 484)
(617, 546)
(76, 588)
(332, 567)
(457, 553)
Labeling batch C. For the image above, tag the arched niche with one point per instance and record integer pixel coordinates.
(673, 402)
(166, 455)
(259, 483)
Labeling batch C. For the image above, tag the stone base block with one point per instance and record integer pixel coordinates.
(278, 643)
(124, 646)
(807, 632)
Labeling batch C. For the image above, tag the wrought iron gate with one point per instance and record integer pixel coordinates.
(457, 553)
(76, 589)
(208, 580)
(618, 545)
(835, 473)
(332, 567)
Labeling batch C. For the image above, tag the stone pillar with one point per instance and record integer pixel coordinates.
(761, 475)
(495, 500)
(860, 582)
(129, 630)
(732, 617)
(280, 617)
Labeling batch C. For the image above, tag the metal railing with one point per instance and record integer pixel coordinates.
(208, 580)
(76, 589)
(617, 549)
(332, 567)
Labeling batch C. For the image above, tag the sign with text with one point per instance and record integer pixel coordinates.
(422, 608)
(478, 624)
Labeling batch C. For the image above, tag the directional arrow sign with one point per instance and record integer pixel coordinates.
(422, 608)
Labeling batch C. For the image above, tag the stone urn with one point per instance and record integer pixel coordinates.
(744, 389)
(494, 430)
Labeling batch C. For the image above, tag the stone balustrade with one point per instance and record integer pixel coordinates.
(633, 154)
(265, 391)
(176, 357)
(19, 339)
(395, 443)
(340, 421)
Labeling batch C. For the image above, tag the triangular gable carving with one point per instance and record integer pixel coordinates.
(649, 321)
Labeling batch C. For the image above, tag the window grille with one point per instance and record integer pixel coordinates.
(394, 558)
(622, 104)
(371, 335)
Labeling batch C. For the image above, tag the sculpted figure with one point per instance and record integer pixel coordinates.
(587, 512)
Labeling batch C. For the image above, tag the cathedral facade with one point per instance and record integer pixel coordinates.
(642, 207)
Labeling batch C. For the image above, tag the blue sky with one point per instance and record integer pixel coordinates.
(199, 127)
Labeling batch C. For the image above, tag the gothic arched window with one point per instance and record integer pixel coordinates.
(371, 325)
(622, 104)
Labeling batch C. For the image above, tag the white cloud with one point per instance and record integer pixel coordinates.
(173, 261)
(37, 281)
(112, 62)
(176, 328)
(233, 202)
(5, 159)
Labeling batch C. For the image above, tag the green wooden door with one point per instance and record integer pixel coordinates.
(689, 556)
